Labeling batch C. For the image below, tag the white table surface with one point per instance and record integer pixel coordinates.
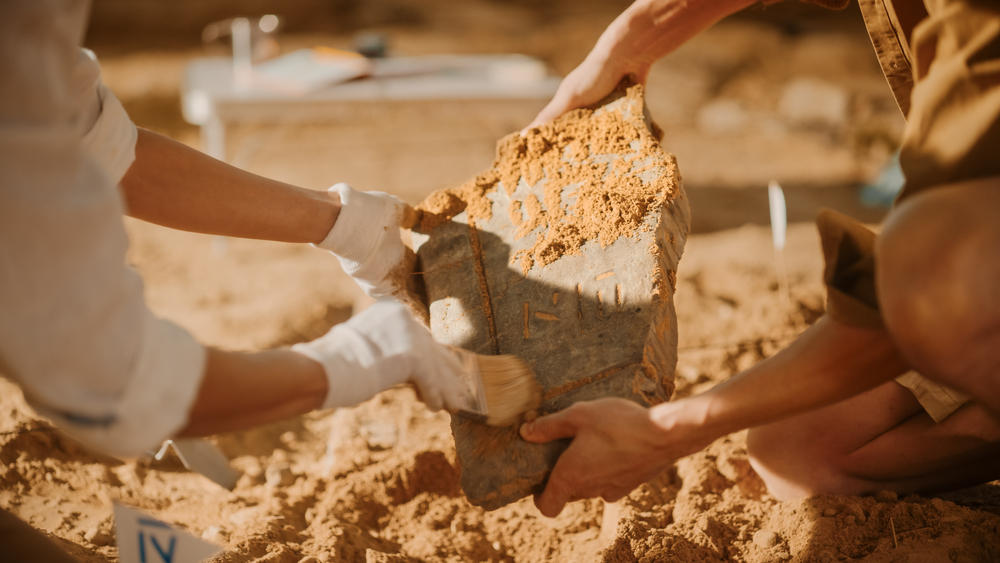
(212, 98)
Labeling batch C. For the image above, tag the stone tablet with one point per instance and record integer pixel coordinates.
(564, 253)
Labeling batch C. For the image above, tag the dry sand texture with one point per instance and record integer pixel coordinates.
(380, 482)
(565, 254)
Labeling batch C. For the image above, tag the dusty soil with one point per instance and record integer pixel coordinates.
(379, 482)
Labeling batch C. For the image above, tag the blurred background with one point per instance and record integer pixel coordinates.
(789, 92)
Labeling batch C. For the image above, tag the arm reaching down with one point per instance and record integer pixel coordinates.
(644, 32)
(831, 361)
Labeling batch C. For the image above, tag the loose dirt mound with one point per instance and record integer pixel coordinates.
(379, 482)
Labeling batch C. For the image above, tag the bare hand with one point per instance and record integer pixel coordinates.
(639, 36)
(616, 447)
(590, 82)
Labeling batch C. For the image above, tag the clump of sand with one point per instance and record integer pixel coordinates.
(596, 154)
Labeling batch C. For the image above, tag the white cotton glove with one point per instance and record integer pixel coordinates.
(366, 240)
(385, 346)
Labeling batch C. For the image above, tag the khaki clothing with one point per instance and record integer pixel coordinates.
(944, 70)
(939, 401)
(942, 61)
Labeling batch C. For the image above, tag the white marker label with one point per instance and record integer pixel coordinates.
(144, 539)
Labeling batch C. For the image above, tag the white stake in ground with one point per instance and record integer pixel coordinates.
(202, 456)
(779, 226)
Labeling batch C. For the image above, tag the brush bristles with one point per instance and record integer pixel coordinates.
(510, 388)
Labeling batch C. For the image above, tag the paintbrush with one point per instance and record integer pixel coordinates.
(504, 388)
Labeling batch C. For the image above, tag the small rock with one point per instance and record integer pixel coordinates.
(887, 496)
(214, 534)
(940, 504)
(100, 533)
(765, 538)
(278, 475)
(830, 511)
(372, 556)
(733, 468)
(247, 481)
(380, 434)
(309, 559)
(855, 510)
(246, 517)
(251, 469)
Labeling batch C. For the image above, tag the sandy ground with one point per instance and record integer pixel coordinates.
(379, 482)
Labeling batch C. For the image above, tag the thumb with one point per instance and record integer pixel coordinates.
(547, 114)
(562, 102)
(550, 427)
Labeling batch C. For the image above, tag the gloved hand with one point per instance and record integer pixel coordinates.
(385, 346)
(365, 238)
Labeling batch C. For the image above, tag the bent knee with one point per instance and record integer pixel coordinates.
(794, 468)
(935, 278)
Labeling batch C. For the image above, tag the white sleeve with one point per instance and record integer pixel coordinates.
(108, 133)
(75, 333)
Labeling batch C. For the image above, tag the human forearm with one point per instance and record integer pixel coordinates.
(173, 185)
(644, 32)
(240, 390)
(377, 349)
(650, 29)
(828, 363)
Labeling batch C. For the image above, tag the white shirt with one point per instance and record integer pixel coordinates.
(75, 333)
